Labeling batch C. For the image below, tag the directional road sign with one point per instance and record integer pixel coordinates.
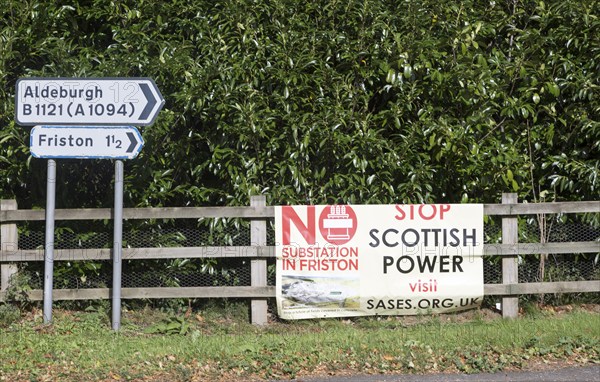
(87, 101)
(85, 142)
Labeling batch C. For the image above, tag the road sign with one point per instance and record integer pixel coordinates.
(87, 101)
(86, 142)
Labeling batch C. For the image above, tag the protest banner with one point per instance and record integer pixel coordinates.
(358, 260)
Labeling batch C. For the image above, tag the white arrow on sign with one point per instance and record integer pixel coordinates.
(86, 142)
(87, 101)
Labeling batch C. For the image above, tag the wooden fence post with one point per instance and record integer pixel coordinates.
(8, 243)
(510, 266)
(258, 267)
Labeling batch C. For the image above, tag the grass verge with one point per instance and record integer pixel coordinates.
(221, 345)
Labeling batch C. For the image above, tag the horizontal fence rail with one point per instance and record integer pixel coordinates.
(164, 292)
(141, 213)
(10, 254)
(82, 254)
(266, 212)
(269, 291)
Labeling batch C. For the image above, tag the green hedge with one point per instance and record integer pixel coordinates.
(321, 101)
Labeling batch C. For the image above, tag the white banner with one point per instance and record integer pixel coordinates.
(359, 260)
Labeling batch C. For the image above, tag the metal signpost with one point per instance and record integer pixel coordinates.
(49, 240)
(117, 246)
(86, 118)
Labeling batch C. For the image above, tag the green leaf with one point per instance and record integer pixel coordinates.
(553, 88)
(515, 185)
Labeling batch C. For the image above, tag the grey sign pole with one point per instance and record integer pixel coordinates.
(118, 246)
(49, 245)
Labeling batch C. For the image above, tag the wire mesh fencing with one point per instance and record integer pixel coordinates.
(198, 272)
(550, 228)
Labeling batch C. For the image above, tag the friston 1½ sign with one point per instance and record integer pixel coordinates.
(87, 101)
(86, 142)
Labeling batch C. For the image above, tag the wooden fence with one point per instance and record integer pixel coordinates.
(258, 213)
